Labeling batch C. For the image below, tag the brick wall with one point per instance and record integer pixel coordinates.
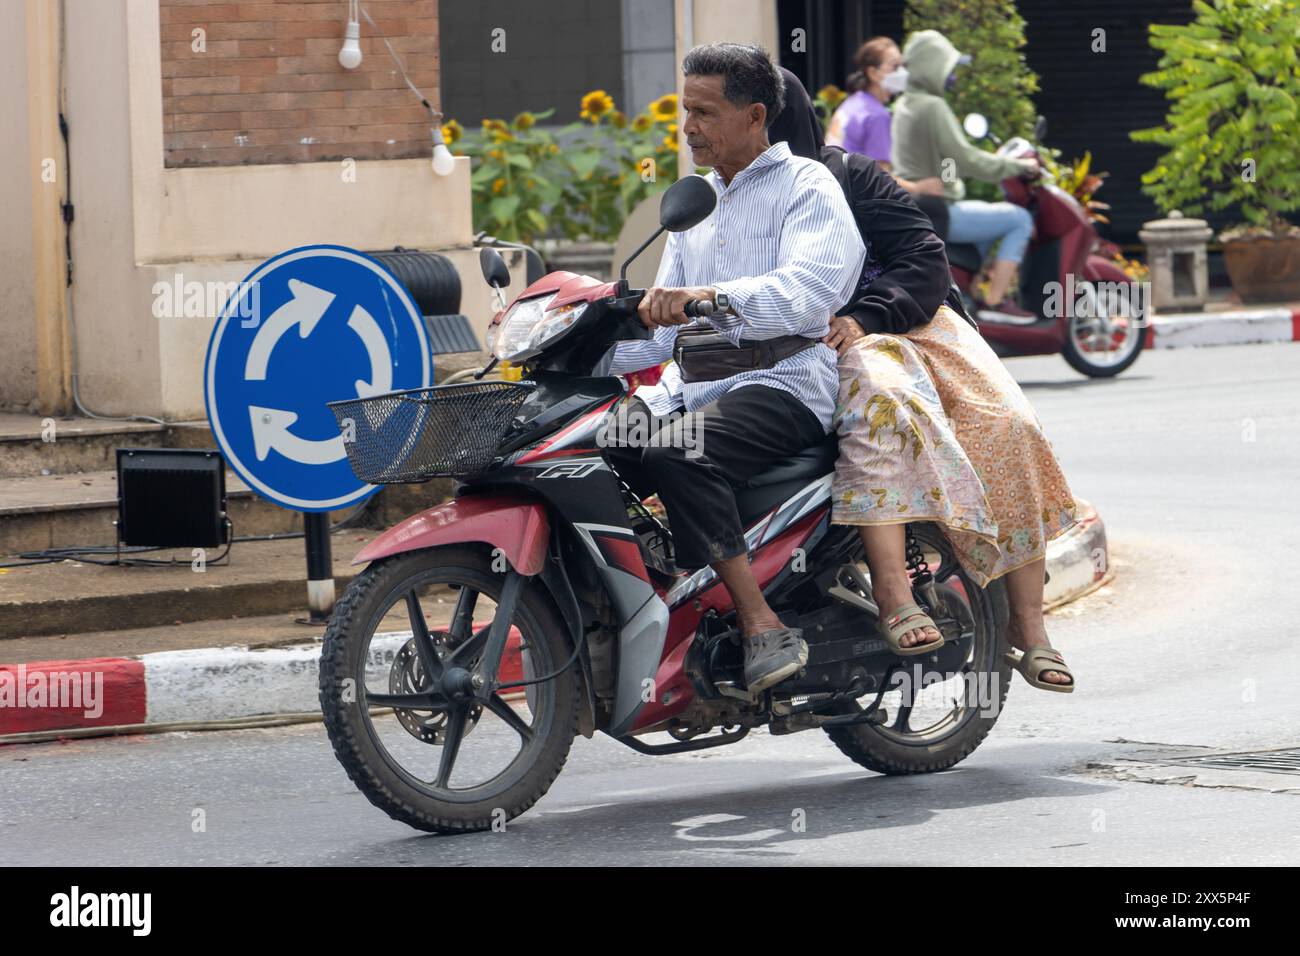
(269, 87)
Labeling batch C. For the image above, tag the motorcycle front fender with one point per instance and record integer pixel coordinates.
(516, 525)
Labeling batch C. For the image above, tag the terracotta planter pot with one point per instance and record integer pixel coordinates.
(1263, 269)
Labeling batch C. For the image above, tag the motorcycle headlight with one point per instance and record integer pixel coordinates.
(529, 325)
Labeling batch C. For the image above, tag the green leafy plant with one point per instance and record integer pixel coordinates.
(998, 82)
(1078, 179)
(580, 181)
(1233, 78)
(512, 183)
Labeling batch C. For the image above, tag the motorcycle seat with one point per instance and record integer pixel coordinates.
(758, 495)
(965, 255)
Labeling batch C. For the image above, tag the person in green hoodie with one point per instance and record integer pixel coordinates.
(929, 141)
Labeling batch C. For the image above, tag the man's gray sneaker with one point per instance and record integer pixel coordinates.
(773, 655)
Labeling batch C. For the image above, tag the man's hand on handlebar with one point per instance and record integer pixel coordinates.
(668, 306)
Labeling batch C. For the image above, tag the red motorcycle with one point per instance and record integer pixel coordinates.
(1087, 308)
(567, 615)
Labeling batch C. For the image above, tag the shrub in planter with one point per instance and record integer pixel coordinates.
(1233, 78)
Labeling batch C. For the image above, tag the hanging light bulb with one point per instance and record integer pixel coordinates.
(443, 161)
(350, 55)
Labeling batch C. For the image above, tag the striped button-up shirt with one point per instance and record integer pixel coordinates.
(784, 247)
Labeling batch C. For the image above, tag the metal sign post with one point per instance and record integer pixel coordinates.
(320, 567)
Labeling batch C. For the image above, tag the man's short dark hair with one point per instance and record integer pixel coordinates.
(748, 74)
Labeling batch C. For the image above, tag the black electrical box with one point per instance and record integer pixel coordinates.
(171, 497)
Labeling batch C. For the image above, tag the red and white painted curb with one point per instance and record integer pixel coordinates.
(1078, 561)
(1238, 327)
(176, 690)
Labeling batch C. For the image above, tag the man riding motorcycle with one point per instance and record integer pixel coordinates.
(779, 255)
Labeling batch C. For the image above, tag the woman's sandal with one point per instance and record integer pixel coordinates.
(1033, 662)
(908, 617)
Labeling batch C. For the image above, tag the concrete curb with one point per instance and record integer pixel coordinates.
(229, 687)
(1078, 561)
(1238, 327)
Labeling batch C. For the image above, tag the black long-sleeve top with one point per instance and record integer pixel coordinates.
(906, 276)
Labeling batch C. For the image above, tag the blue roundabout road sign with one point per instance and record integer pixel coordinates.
(311, 326)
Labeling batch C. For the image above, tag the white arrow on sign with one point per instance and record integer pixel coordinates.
(271, 430)
(303, 310)
(381, 360)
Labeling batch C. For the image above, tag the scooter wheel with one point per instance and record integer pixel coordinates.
(1082, 339)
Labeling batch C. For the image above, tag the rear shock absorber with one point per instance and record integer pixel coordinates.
(919, 571)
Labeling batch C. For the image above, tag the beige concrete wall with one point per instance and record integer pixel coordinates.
(711, 21)
(116, 337)
(139, 223)
(33, 315)
(17, 266)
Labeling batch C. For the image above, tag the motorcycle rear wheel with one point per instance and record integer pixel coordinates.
(369, 748)
(898, 748)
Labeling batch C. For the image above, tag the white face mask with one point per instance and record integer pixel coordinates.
(895, 82)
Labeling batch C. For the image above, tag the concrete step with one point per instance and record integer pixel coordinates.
(76, 510)
(31, 445)
(75, 597)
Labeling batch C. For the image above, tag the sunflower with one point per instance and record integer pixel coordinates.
(452, 132)
(496, 154)
(831, 95)
(596, 104)
(664, 109)
(670, 141)
(525, 120)
(642, 123)
(617, 119)
(498, 186)
(494, 126)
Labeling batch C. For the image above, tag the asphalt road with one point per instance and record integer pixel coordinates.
(1192, 458)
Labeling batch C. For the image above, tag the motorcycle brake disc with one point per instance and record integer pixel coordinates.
(406, 677)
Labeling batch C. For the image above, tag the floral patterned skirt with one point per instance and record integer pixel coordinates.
(933, 428)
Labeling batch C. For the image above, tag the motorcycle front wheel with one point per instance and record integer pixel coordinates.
(433, 753)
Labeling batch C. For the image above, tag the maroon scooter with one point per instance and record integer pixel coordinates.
(1085, 306)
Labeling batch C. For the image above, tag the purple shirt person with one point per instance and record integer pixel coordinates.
(861, 125)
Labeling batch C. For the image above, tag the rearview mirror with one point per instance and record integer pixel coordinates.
(686, 203)
(976, 125)
(495, 271)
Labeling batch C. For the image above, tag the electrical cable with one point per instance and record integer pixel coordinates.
(77, 553)
(435, 115)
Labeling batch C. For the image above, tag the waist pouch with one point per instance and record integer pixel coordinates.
(706, 355)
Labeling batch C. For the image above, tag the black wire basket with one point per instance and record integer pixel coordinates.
(444, 431)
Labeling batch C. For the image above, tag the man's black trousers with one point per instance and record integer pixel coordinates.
(692, 460)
